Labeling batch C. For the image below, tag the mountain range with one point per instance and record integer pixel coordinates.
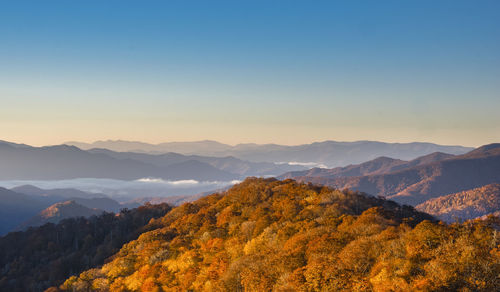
(66, 162)
(327, 153)
(416, 181)
(228, 164)
(378, 165)
(413, 181)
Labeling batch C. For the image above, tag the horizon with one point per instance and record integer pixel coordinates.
(261, 72)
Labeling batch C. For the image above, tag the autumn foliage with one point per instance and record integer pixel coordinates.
(270, 235)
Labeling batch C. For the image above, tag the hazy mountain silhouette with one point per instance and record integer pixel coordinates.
(66, 162)
(228, 163)
(206, 146)
(58, 194)
(464, 205)
(329, 153)
(419, 183)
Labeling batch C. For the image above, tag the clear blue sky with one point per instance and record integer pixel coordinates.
(250, 71)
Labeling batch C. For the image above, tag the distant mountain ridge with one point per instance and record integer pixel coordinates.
(68, 162)
(330, 153)
(379, 165)
(419, 183)
(228, 163)
(136, 146)
(64, 193)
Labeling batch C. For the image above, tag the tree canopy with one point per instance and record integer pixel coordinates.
(270, 235)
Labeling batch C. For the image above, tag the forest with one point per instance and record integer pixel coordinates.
(45, 256)
(271, 235)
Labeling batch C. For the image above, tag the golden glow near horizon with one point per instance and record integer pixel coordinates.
(69, 117)
(43, 134)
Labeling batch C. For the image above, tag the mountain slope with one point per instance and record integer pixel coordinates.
(269, 235)
(464, 205)
(329, 153)
(16, 208)
(420, 183)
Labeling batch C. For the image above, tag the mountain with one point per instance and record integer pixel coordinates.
(43, 256)
(270, 235)
(417, 184)
(65, 193)
(327, 153)
(89, 200)
(60, 211)
(175, 200)
(16, 208)
(379, 165)
(66, 162)
(228, 164)
(206, 146)
(21, 204)
(171, 200)
(464, 205)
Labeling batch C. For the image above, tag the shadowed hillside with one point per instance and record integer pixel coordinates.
(40, 257)
(417, 184)
(16, 208)
(379, 165)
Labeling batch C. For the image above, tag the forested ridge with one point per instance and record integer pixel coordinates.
(270, 235)
(464, 205)
(44, 256)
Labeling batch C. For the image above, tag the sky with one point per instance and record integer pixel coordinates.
(287, 72)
